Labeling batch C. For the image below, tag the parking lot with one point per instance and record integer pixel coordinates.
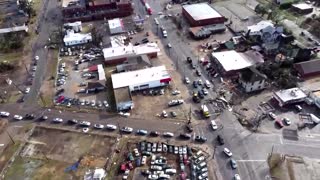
(154, 160)
(81, 80)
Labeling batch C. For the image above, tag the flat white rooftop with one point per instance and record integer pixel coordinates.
(260, 26)
(290, 94)
(232, 60)
(143, 76)
(129, 51)
(201, 11)
(71, 36)
(302, 6)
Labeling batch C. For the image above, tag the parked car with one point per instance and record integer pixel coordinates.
(142, 132)
(43, 118)
(154, 133)
(27, 90)
(57, 120)
(73, 121)
(227, 152)
(272, 116)
(237, 177)
(220, 140)
(173, 114)
(214, 125)
(189, 60)
(198, 72)
(29, 116)
(111, 127)
(164, 113)
(286, 121)
(4, 114)
(195, 84)
(84, 123)
(298, 108)
(186, 80)
(127, 129)
(85, 130)
(17, 117)
(168, 134)
(185, 136)
(279, 123)
(233, 164)
(98, 126)
(200, 139)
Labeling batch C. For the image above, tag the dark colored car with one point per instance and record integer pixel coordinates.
(200, 94)
(189, 60)
(189, 128)
(73, 121)
(195, 84)
(220, 140)
(29, 116)
(185, 136)
(154, 134)
(193, 66)
(201, 139)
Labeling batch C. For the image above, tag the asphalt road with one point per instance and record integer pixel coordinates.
(49, 18)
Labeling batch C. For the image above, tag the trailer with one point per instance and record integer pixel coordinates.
(205, 111)
(148, 9)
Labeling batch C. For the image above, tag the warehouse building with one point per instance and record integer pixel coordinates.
(201, 14)
(117, 55)
(116, 26)
(308, 69)
(71, 38)
(127, 82)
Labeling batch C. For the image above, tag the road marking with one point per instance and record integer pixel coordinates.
(281, 142)
(251, 160)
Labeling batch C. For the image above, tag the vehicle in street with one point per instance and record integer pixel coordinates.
(233, 164)
(4, 114)
(98, 126)
(57, 120)
(175, 92)
(126, 129)
(198, 72)
(214, 125)
(84, 123)
(169, 45)
(189, 128)
(175, 102)
(227, 152)
(185, 136)
(142, 132)
(43, 118)
(205, 92)
(207, 84)
(220, 140)
(186, 80)
(279, 123)
(154, 133)
(168, 134)
(72, 121)
(200, 94)
(272, 115)
(111, 127)
(200, 139)
(17, 117)
(236, 177)
(29, 116)
(193, 66)
(27, 90)
(286, 121)
(189, 60)
(196, 98)
(200, 82)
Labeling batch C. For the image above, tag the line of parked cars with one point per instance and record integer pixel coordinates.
(62, 100)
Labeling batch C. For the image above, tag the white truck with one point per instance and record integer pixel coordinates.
(205, 111)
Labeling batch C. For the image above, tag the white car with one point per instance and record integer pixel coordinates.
(164, 114)
(176, 92)
(227, 152)
(214, 125)
(236, 177)
(17, 117)
(105, 103)
(27, 90)
(57, 120)
(136, 152)
(36, 58)
(4, 114)
(98, 126)
(127, 129)
(272, 115)
(85, 130)
(153, 177)
(168, 134)
(111, 127)
(287, 121)
(85, 123)
(186, 80)
(34, 68)
(144, 160)
(93, 103)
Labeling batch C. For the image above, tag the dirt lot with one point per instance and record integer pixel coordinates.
(50, 151)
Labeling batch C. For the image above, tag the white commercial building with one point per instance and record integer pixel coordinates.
(229, 61)
(72, 38)
(126, 82)
(120, 54)
(266, 30)
(289, 96)
(116, 26)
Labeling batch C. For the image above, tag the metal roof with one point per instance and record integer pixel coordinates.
(308, 67)
(201, 11)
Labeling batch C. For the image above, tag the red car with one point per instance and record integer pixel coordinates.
(123, 167)
(183, 176)
(279, 123)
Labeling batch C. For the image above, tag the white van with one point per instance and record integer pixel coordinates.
(207, 84)
(203, 164)
(170, 171)
(198, 153)
(164, 176)
(156, 21)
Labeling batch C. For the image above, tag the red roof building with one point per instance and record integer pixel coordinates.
(308, 68)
